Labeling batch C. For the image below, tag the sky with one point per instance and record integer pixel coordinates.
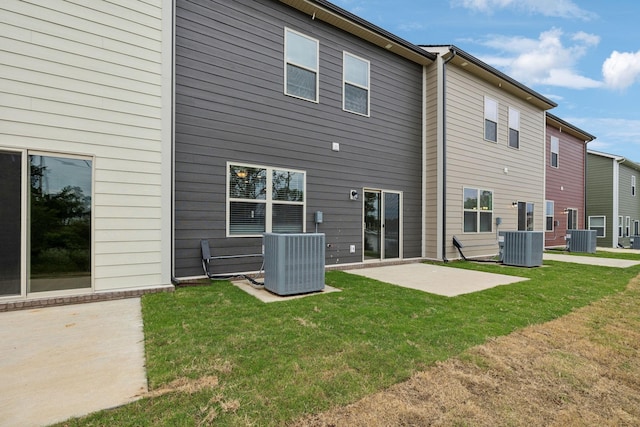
(582, 54)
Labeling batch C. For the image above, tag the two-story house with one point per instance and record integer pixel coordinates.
(566, 159)
(613, 203)
(85, 150)
(288, 108)
(485, 159)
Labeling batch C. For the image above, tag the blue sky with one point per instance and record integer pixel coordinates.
(584, 55)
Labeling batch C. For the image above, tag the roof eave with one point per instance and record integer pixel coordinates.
(567, 127)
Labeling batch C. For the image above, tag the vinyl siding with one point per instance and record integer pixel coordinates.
(86, 78)
(600, 194)
(565, 184)
(629, 206)
(476, 163)
(433, 193)
(230, 106)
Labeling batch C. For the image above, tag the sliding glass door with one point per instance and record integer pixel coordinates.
(382, 225)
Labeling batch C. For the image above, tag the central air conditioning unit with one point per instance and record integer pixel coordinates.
(294, 263)
(635, 244)
(582, 241)
(523, 248)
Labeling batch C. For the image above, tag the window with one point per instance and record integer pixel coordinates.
(555, 151)
(264, 200)
(549, 215)
(355, 96)
(633, 185)
(627, 227)
(525, 216)
(620, 226)
(598, 223)
(301, 66)
(636, 228)
(478, 210)
(490, 120)
(514, 128)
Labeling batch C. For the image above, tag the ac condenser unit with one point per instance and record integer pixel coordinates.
(294, 263)
(636, 242)
(582, 241)
(523, 248)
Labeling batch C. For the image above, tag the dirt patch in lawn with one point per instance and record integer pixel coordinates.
(580, 370)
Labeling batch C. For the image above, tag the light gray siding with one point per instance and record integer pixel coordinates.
(230, 106)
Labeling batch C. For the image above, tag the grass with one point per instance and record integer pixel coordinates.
(276, 362)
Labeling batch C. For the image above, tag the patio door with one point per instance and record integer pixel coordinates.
(382, 225)
(10, 223)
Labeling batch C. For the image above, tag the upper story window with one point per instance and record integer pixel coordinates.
(514, 128)
(301, 65)
(478, 210)
(555, 151)
(355, 96)
(633, 185)
(264, 199)
(490, 119)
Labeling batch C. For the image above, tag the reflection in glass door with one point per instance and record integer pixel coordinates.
(372, 225)
(382, 225)
(10, 222)
(60, 223)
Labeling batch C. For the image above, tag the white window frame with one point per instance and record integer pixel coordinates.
(636, 227)
(549, 213)
(604, 224)
(491, 115)
(633, 185)
(620, 226)
(514, 124)
(627, 226)
(267, 201)
(555, 149)
(346, 82)
(477, 209)
(315, 70)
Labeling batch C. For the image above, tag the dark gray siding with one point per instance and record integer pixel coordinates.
(230, 106)
(600, 194)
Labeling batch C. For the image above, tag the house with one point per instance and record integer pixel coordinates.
(287, 112)
(566, 158)
(85, 150)
(613, 204)
(485, 158)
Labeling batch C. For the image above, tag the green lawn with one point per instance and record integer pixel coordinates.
(275, 362)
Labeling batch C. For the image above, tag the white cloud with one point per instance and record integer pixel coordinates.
(615, 136)
(556, 8)
(621, 69)
(545, 60)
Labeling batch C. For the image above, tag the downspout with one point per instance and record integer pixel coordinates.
(174, 280)
(444, 154)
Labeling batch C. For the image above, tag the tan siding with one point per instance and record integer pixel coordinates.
(86, 78)
(431, 219)
(477, 163)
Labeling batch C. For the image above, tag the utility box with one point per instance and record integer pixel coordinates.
(636, 242)
(582, 241)
(523, 248)
(294, 263)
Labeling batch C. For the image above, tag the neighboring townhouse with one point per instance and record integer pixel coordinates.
(288, 108)
(566, 161)
(85, 146)
(613, 203)
(485, 158)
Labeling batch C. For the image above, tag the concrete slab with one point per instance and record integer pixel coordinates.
(605, 262)
(436, 279)
(61, 362)
(266, 296)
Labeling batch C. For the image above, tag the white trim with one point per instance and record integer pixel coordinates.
(514, 119)
(288, 30)
(546, 214)
(345, 82)
(604, 224)
(615, 202)
(633, 186)
(478, 190)
(490, 117)
(423, 226)
(627, 226)
(557, 152)
(381, 193)
(167, 179)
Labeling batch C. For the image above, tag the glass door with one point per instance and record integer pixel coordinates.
(382, 225)
(10, 223)
(372, 225)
